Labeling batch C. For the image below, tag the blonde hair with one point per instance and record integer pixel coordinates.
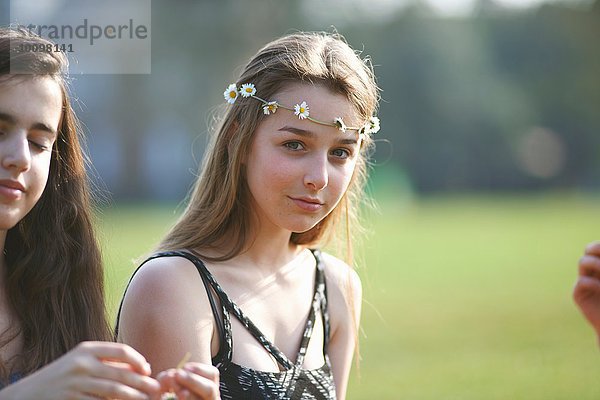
(218, 215)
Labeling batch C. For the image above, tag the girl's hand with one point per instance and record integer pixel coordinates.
(91, 370)
(587, 289)
(193, 381)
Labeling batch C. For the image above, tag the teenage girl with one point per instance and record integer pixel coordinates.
(239, 282)
(51, 280)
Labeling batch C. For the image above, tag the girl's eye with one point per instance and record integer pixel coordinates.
(294, 146)
(341, 153)
(38, 146)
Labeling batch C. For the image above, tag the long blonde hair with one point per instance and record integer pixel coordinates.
(218, 215)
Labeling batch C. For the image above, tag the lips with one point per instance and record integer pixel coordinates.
(11, 190)
(310, 204)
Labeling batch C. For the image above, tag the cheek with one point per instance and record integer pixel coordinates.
(343, 177)
(272, 168)
(40, 175)
(262, 178)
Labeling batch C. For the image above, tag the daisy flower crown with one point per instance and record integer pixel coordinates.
(302, 110)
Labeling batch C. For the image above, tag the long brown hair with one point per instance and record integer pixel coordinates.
(54, 277)
(217, 215)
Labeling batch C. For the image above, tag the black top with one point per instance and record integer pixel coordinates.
(238, 382)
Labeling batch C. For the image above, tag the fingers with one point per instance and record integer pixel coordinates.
(81, 396)
(117, 352)
(204, 387)
(593, 249)
(168, 383)
(166, 379)
(589, 265)
(113, 370)
(110, 389)
(208, 371)
(585, 287)
(123, 374)
(194, 380)
(586, 295)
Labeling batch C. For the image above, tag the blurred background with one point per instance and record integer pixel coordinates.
(487, 176)
(476, 95)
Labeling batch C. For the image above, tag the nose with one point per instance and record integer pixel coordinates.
(15, 152)
(316, 177)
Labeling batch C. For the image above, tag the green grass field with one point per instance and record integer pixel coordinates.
(465, 297)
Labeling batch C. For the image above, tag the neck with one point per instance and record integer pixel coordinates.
(269, 249)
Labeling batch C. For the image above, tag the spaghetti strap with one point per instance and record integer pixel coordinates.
(237, 380)
(319, 303)
(248, 324)
(222, 319)
(321, 287)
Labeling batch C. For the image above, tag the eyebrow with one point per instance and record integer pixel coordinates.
(38, 126)
(310, 134)
(7, 118)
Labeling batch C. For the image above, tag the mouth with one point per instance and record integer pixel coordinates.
(9, 183)
(10, 189)
(308, 203)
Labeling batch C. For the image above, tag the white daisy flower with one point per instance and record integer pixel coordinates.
(248, 90)
(340, 124)
(375, 126)
(270, 107)
(231, 93)
(372, 126)
(301, 110)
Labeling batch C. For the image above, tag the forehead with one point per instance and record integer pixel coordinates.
(324, 105)
(32, 100)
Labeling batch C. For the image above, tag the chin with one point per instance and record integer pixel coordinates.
(303, 227)
(7, 225)
(8, 222)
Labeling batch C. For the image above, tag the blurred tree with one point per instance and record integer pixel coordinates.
(466, 100)
(460, 94)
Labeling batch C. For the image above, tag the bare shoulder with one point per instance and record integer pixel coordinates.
(341, 277)
(344, 297)
(167, 295)
(157, 289)
(344, 294)
(160, 282)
